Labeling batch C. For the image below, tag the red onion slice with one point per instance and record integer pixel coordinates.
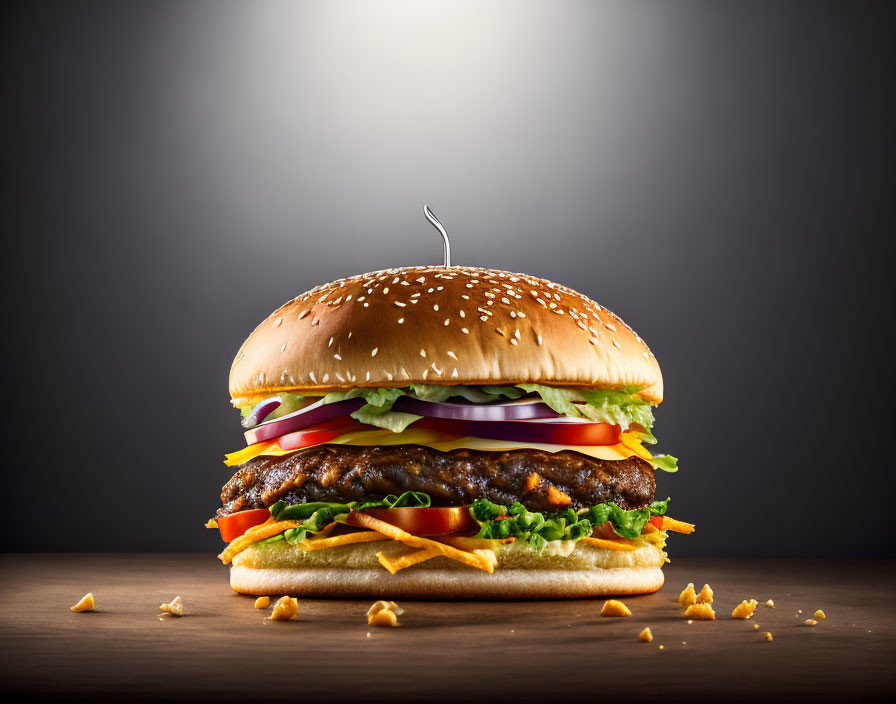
(514, 410)
(549, 431)
(314, 414)
(261, 411)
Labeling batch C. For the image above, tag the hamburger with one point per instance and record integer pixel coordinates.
(445, 432)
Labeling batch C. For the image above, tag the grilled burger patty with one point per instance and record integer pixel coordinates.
(342, 473)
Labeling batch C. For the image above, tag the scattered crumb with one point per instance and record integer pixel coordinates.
(705, 595)
(211, 523)
(684, 642)
(384, 613)
(614, 608)
(744, 609)
(768, 636)
(688, 596)
(799, 611)
(770, 603)
(175, 607)
(86, 604)
(819, 615)
(286, 609)
(661, 647)
(755, 626)
(262, 602)
(368, 634)
(690, 620)
(811, 622)
(646, 636)
(700, 612)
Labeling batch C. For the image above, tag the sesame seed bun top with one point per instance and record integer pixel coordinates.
(438, 325)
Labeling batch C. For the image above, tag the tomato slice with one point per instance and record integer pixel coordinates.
(425, 521)
(320, 434)
(657, 521)
(235, 524)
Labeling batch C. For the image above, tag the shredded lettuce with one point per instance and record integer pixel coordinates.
(539, 529)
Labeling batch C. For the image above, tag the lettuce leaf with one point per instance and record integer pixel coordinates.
(622, 408)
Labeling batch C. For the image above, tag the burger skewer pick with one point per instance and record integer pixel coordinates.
(445, 432)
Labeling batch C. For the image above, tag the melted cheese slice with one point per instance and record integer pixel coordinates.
(443, 442)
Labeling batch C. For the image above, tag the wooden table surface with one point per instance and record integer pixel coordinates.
(542, 651)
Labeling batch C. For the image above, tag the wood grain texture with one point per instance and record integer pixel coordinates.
(223, 649)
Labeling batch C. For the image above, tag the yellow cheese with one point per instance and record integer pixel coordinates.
(445, 442)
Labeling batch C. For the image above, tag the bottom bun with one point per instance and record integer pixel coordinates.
(376, 583)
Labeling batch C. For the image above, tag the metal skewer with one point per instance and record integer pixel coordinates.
(446, 245)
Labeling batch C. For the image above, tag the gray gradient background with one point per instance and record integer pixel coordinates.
(720, 174)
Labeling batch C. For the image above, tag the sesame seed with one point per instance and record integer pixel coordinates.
(388, 376)
(617, 345)
(314, 322)
(283, 347)
(451, 354)
(454, 373)
(304, 313)
(404, 373)
(516, 333)
(483, 318)
(513, 314)
(278, 322)
(505, 300)
(395, 280)
(465, 331)
(499, 331)
(367, 376)
(400, 304)
(436, 369)
(423, 353)
(414, 295)
(400, 321)
(325, 379)
(386, 289)
(425, 372)
(430, 290)
(313, 378)
(469, 285)
(521, 314)
(337, 356)
(330, 343)
(374, 351)
(421, 280)
(435, 307)
(340, 377)
(366, 304)
(465, 297)
(539, 339)
(349, 335)
(447, 321)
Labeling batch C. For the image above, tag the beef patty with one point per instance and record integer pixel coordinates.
(342, 473)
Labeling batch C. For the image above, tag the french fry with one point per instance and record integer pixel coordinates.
(474, 559)
(347, 539)
(268, 529)
(677, 526)
(409, 559)
(610, 544)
